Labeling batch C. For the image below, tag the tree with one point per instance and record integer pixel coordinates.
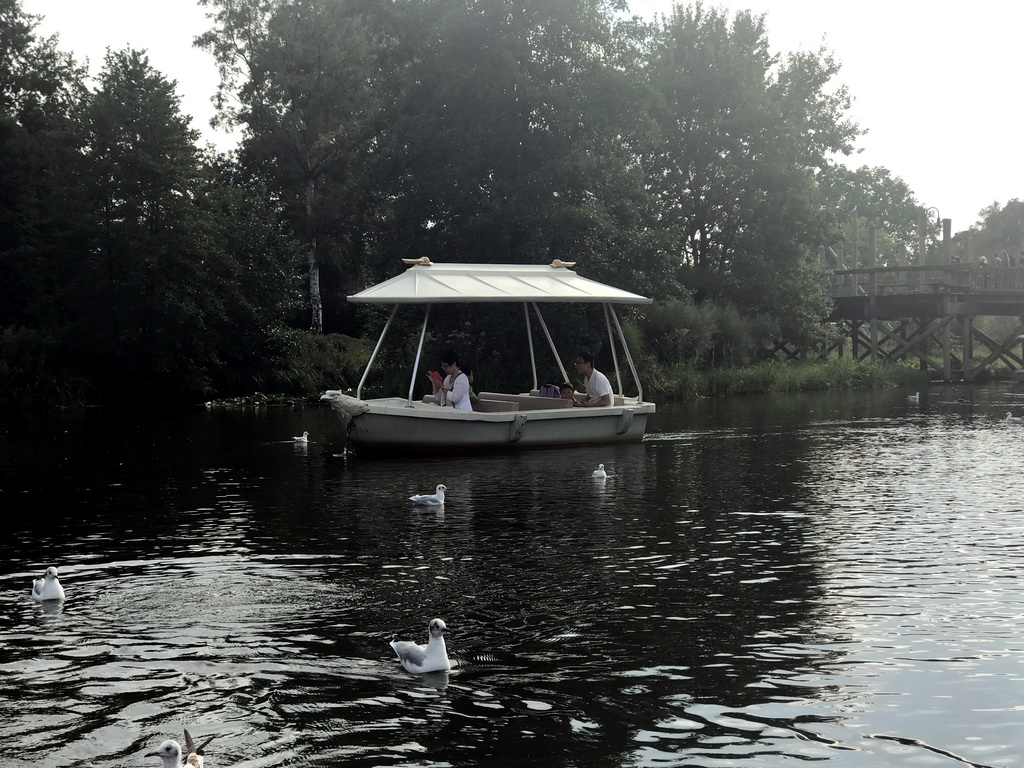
(999, 233)
(744, 136)
(308, 101)
(182, 273)
(878, 199)
(40, 89)
(514, 140)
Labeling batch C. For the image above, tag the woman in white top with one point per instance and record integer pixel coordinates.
(454, 390)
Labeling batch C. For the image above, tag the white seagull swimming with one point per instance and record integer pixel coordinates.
(914, 399)
(1011, 419)
(432, 657)
(434, 498)
(170, 753)
(303, 438)
(48, 587)
(599, 473)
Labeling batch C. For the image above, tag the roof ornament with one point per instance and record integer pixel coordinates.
(422, 260)
(560, 263)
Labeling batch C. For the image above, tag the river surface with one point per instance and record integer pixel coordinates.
(765, 581)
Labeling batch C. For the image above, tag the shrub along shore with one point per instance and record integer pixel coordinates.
(685, 382)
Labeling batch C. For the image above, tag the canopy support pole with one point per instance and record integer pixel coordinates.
(529, 338)
(376, 349)
(551, 343)
(611, 343)
(419, 352)
(629, 357)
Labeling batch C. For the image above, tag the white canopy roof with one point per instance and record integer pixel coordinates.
(454, 283)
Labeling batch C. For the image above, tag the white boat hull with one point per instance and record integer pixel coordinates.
(393, 425)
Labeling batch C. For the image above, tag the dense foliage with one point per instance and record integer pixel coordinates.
(679, 158)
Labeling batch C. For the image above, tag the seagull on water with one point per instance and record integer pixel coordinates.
(48, 587)
(432, 657)
(303, 438)
(170, 753)
(434, 498)
(914, 399)
(599, 473)
(1011, 419)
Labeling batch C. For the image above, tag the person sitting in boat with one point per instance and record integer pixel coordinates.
(599, 389)
(567, 392)
(454, 389)
(469, 375)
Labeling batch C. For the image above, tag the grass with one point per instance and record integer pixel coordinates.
(685, 382)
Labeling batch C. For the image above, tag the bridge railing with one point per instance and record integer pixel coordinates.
(948, 278)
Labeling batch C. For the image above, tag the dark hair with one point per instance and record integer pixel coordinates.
(450, 357)
(566, 385)
(586, 357)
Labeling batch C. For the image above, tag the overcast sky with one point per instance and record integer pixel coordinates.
(937, 90)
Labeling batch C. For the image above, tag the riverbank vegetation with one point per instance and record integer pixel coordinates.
(677, 158)
(684, 382)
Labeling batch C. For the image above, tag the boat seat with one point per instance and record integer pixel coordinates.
(616, 399)
(484, 405)
(528, 402)
(488, 405)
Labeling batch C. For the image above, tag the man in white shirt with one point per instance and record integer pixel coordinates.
(598, 388)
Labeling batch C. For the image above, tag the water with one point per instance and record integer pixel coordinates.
(764, 581)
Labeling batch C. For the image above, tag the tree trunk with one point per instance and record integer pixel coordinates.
(315, 301)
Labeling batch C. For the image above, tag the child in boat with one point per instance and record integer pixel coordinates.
(568, 392)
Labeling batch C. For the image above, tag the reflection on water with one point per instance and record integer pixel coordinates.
(762, 582)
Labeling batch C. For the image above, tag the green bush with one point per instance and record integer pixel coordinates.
(308, 364)
(32, 371)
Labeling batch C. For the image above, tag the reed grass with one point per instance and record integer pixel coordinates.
(683, 381)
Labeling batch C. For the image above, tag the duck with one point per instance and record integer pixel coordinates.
(48, 587)
(437, 497)
(432, 657)
(599, 473)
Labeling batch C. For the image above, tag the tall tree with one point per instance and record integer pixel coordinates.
(744, 135)
(40, 90)
(514, 139)
(183, 272)
(306, 74)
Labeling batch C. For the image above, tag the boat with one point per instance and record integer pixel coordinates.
(499, 421)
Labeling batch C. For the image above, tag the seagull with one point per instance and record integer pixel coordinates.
(434, 498)
(48, 588)
(303, 438)
(422, 261)
(432, 657)
(599, 473)
(560, 263)
(914, 399)
(170, 753)
(1010, 418)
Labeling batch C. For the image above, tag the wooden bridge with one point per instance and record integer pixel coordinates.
(928, 313)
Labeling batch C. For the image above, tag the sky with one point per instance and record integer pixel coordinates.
(937, 90)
